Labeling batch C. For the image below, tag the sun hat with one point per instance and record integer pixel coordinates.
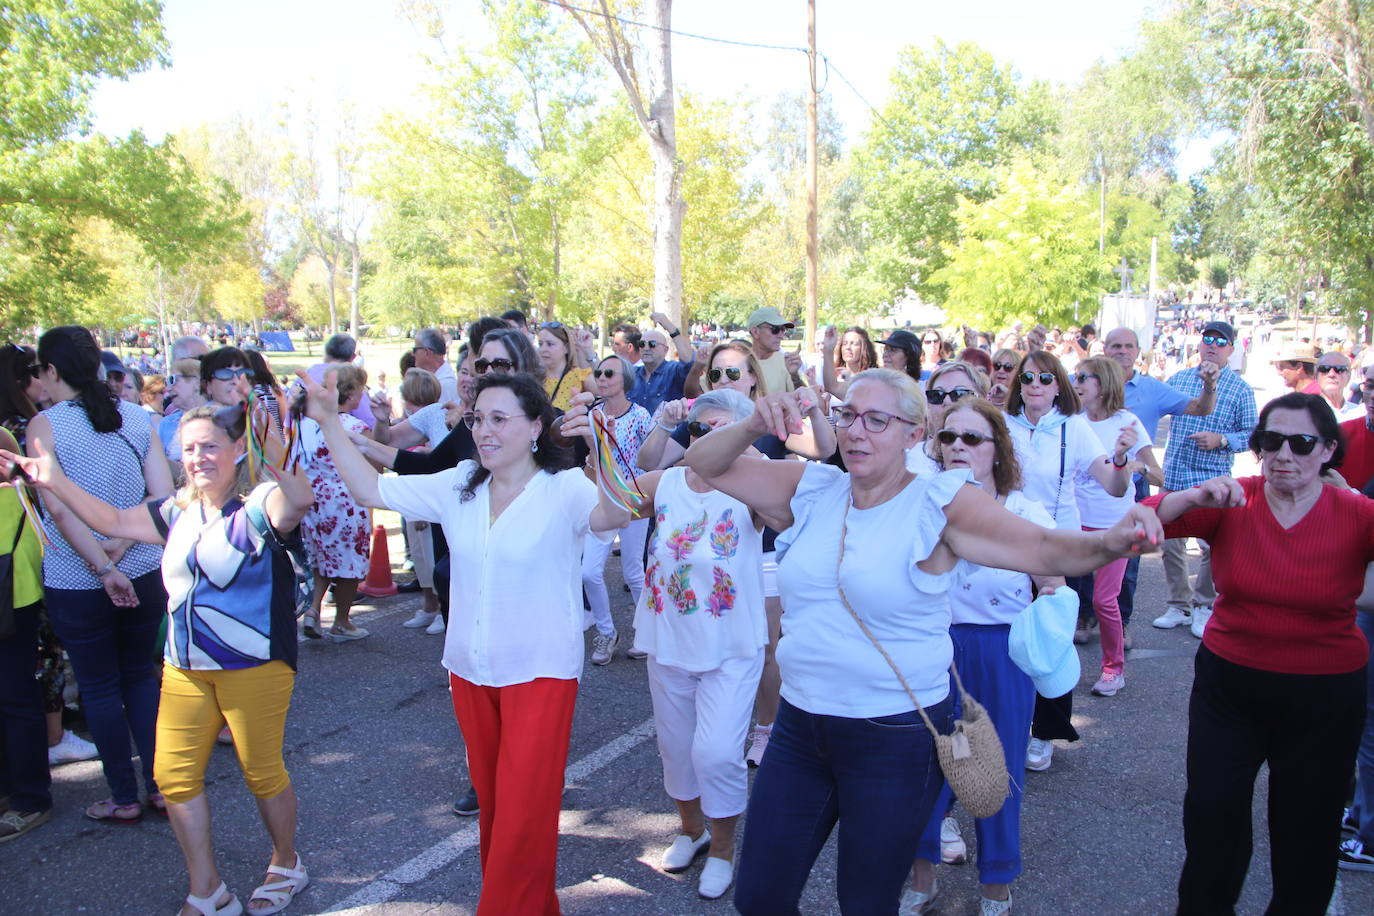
(1041, 642)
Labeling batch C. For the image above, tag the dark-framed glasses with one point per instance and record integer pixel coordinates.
(654, 344)
(34, 371)
(1004, 367)
(1044, 378)
(938, 395)
(875, 421)
(229, 374)
(603, 373)
(1215, 340)
(1331, 367)
(696, 429)
(499, 364)
(1082, 377)
(733, 373)
(1300, 443)
(776, 328)
(972, 440)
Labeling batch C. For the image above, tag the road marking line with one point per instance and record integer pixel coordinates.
(444, 852)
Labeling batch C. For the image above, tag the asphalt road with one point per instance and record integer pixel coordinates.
(377, 761)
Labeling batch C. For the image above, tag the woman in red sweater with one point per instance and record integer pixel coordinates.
(1279, 678)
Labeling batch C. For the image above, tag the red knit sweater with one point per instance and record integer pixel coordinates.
(1358, 466)
(1286, 597)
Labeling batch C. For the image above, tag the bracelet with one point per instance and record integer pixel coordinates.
(1122, 464)
(106, 570)
(667, 429)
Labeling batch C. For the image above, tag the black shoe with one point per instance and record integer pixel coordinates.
(412, 586)
(466, 806)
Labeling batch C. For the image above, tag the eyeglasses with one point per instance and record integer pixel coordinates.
(733, 373)
(1030, 378)
(1339, 370)
(482, 365)
(938, 395)
(775, 328)
(1214, 340)
(931, 340)
(1300, 443)
(972, 440)
(696, 429)
(1367, 385)
(875, 421)
(603, 373)
(1082, 377)
(495, 421)
(1004, 367)
(1289, 364)
(415, 350)
(652, 344)
(228, 375)
(35, 370)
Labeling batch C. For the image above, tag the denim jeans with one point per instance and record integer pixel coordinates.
(1364, 762)
(116, 656)
(23, 731)
(877, 778)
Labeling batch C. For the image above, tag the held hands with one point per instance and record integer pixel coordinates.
(41, 469)
(321, 401)
(577, 421)
(1218, 493)
(453, 415)
(119, 588)
(781, 414)
(381, 406)
(1138, 532)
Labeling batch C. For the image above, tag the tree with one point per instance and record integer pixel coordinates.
(55, 176)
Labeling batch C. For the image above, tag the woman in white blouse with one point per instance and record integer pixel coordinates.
(984, 601)
(879, 544)
(515, 520)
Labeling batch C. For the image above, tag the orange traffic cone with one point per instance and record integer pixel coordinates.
(378, 583)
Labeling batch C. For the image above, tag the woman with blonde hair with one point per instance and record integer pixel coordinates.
(563, 378)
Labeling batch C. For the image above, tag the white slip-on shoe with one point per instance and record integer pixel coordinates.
(914, 903)
(684, 851)
(716, 877)
(953, 849)
(1201, 615)
(436, 626)
(422, 618)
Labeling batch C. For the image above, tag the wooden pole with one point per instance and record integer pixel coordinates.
(812, 284)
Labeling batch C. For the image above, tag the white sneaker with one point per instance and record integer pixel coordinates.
(1039, 755)
(70, 749)
(1200, 617)
(1109, 684)
(436, 626)
(603, 648)
(1172, 618)
(716, 877)
(684, 851)
(758, 742)
(953, 849)
(422, 618)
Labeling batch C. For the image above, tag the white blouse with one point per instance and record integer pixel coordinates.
(515, 591)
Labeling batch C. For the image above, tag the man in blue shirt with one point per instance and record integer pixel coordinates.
(659, 379)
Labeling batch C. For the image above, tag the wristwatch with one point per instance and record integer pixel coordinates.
(675, 332)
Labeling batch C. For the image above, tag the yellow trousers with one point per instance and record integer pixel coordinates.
(195, 705)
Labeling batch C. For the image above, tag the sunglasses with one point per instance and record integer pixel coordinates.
(654, 344)
(1214, 340)
(418, 349)
(1367, 385)
(931, 340)
(603, 373)
(228, 375)
(1030, 378)
(1339, 370)
(34, 371)
(482, 365)
(733, 374)
(949, 436)
(1082, 377)
(696, 429)
(1300, 443)
(938, 395)
(1004, 367)
(875, 421)
(776, 328)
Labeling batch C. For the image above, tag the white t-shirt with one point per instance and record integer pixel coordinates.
(829, 667)
(515, 593)
(1096, 507)
(990, 596)
(429, 422)
(1038, 450)
(919, 462)
(448, 384)
(702, 601)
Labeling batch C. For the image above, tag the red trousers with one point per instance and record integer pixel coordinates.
(517, 742)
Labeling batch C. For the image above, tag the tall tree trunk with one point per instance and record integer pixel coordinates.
(331, 271)
(356, 266)
(557, 267)
(662, 131)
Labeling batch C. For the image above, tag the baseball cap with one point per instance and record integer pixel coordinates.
(1041, 642)
(903, 339)
(1222, 328)
(768, 315)
(110, 363)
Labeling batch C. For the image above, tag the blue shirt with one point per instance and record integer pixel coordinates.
(1235, 416)
(1149, 399)
(664, 385)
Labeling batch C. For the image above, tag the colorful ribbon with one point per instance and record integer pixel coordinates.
(610, 479)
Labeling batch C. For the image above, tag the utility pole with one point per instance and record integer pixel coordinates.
(811, 195)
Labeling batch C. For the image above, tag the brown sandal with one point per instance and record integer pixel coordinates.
(106, 810)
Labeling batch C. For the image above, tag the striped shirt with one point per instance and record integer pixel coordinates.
(1235, 416)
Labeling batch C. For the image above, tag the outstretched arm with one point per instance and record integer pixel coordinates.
(322, 406)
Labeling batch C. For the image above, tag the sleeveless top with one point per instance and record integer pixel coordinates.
(702, 601)
(108, 466)
(28, 557)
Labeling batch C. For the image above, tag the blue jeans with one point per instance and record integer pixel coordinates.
(1364, 762)
(23, 731)
(117, 660)
(877, 778)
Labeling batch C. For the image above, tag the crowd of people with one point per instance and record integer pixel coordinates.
(817, 546)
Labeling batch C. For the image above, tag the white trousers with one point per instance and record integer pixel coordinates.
(594, 554)
(702, 719)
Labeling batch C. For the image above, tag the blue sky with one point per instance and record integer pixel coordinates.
(249, 56)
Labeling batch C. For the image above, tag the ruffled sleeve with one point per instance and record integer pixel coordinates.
(929, 524)
(816, 480)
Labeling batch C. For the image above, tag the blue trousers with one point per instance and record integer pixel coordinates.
(115, 654)
(990, 676)
(876, 778)
(23, 731)
(1364, 761)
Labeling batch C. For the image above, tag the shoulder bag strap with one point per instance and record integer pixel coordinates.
(1063, 446)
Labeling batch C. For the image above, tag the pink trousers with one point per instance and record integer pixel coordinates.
(1106, 588)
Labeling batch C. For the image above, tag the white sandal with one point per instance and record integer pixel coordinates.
(280, 893)
(207, 906)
